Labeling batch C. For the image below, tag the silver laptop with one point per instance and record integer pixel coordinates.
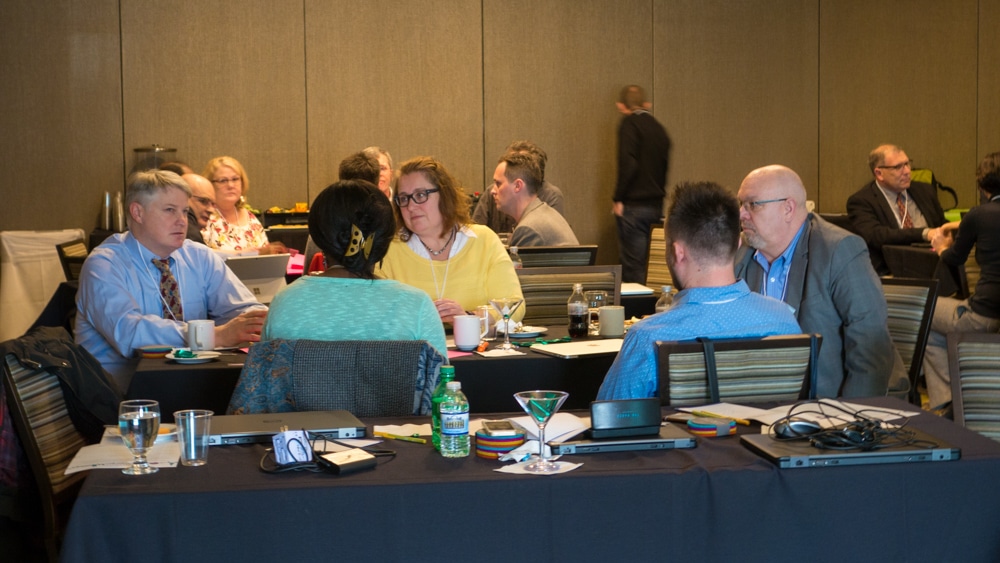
(264, 276)
(670, 437)
(251, 428)
(800, 453)
(581, 348)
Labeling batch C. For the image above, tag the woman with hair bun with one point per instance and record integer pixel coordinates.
(352, 223)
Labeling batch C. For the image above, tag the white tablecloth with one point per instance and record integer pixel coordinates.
(30, 272)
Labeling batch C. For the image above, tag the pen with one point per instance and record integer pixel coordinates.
(403, 438)
(713, 415)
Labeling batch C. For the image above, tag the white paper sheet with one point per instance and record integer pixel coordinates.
(112, 454)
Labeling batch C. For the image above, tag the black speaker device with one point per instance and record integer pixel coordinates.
(623, 418)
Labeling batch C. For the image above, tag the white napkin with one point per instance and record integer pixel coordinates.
(518, 468)
(497, 353)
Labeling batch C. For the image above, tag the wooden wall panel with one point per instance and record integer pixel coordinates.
(902, 73)
(736, 86)
(61, 112)
(989, 78)
(403, 75)
(220, 77)
(553, 71)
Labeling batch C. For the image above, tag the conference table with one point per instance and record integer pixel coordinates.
(716, 502)
(489, 383)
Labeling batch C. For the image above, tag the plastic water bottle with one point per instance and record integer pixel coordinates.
(454, 422)
(579, 312)
(665, 300)
(518, 264)
(447, 374)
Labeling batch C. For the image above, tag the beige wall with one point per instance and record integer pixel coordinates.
(289, 87)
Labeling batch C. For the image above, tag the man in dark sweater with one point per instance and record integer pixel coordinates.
(643, 160)
(981, 312)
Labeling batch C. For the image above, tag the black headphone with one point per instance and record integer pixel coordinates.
(863, 434)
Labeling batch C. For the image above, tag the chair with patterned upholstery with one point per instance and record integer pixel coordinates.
(72, 255)
(368, 378)
(911, 306)
(50, 440)
(552, 256)
(974, 359)
(738, 370)
(546, 290)
(657, 273)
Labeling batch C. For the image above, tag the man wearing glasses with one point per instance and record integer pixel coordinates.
(891, 209)
(824, 274)
(202, 204)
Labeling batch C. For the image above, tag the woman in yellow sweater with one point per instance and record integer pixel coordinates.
(461, 265)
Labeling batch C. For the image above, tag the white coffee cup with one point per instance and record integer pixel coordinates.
(201, 335)
(612, 321)
(469, 330)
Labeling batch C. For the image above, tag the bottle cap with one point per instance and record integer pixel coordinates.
(448, 369)
(454, 385)
(577, 287)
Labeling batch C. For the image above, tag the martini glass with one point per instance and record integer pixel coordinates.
(541, 405)
(506, 307)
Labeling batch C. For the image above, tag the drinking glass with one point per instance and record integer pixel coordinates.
(541, 405)
(139, 424)
(595, 300)
(506, 306)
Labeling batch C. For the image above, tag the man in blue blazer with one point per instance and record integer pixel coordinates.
(891, 209)
(824, 273)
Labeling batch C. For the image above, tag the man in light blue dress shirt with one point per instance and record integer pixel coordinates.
(119, 304)
(703, 232)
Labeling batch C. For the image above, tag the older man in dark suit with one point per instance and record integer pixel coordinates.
(891, 209)
(823, 272)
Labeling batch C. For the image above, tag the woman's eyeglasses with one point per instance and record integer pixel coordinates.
(403, 200)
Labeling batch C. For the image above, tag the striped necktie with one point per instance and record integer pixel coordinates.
(170, 293)
(901, 205)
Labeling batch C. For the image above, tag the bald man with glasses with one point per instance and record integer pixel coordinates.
(201, 205)
(892, 209)
(824, 274)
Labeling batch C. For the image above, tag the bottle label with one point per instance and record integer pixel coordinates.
(455, 423)
(577, 308)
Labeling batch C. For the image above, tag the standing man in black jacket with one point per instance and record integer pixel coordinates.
(643, 160)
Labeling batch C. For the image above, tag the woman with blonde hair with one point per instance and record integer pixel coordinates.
(233, 228)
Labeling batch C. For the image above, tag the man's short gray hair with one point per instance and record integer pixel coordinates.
(144, 186)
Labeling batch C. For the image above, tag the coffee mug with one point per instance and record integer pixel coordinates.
(612, 321)
(201, 335)
(469, 331)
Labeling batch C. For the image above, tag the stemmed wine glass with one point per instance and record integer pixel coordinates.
(139, 424)
(541, 405)
(506, 307)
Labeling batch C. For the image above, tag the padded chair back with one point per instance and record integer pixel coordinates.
(974, 359)
(747, 370)
(911, 307)
(368, 378)
(839, 219)
(72, 256)
(546, 290)
(49, 438)
(657, 273)
(553, 256)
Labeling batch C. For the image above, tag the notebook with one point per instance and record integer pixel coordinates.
(800, 453)
(263, 275)
(671, 437)
(251, 428)
(580, 348)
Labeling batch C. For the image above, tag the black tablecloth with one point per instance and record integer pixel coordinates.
(490, 383)
(717, 502)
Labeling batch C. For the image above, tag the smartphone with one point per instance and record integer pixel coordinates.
(499, 428)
